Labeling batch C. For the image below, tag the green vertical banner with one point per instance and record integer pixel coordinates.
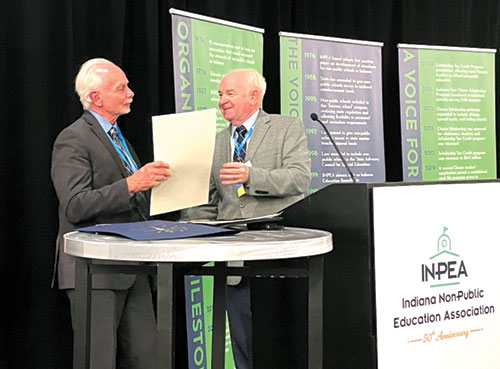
(447, 100)
(204, 49)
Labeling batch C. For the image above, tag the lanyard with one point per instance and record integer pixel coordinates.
(239, 146)
(125, 156)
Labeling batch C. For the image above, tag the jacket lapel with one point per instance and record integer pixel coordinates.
(102, 136)
(225, 154)
(262, 125)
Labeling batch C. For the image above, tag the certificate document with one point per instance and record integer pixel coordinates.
(186, 142)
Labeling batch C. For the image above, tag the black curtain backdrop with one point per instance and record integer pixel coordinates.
(42, 45)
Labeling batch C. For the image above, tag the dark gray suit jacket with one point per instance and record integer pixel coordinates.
(279, 175)
(89, 180)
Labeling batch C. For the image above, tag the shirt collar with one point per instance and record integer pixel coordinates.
(248, 123)
(103, 121)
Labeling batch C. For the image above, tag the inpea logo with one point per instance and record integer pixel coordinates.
(445, 268)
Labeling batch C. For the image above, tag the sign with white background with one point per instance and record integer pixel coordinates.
(436, 275)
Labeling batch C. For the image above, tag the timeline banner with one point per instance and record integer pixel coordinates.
(341, 81)
(447, 113)
(204, 49)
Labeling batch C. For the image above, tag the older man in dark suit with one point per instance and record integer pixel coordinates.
(97, 178)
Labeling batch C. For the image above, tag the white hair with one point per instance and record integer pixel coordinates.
(254, 79)
(89, 79)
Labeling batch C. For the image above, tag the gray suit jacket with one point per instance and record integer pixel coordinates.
(279, 175)
(89, 180)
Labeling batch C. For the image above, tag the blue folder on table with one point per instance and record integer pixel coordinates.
(151, 230)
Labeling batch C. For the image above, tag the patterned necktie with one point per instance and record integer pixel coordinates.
(239, 155)
(140, 197)
(114, 136)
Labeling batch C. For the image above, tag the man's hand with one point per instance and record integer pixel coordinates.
(233, 173)
(149, 176)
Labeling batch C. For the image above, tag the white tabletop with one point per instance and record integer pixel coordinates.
(247, 245)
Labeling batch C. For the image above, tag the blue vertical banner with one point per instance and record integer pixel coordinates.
(341, 81)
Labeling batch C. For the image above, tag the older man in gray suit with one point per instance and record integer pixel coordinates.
(97, 180)
(261, 165)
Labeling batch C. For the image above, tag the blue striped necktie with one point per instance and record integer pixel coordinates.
(240, 152)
